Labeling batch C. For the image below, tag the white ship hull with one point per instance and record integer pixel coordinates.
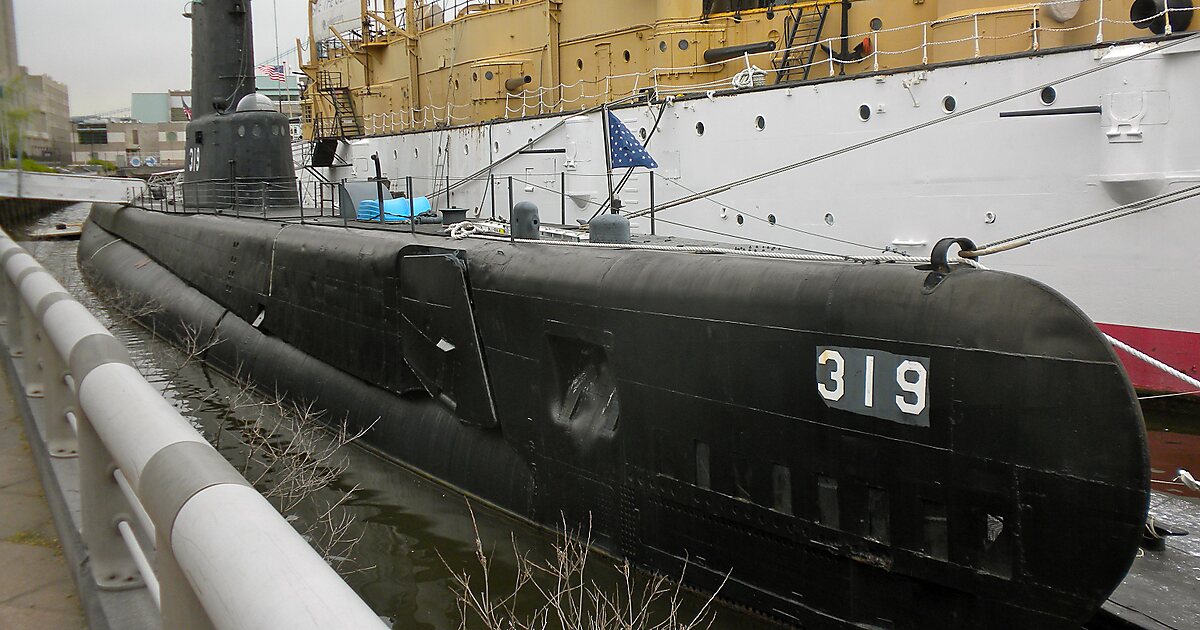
(981, 175)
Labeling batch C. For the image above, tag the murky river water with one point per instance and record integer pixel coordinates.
(414, 532)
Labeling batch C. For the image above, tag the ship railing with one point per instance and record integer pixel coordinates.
(159, 508)
(378, 11)
(493, 195)
(284, 200)
(672, 80)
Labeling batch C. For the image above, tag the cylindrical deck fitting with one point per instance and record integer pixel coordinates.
(517, 83)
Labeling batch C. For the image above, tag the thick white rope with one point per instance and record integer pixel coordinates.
(1152, 361)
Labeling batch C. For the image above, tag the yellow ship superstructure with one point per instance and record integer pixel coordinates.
(408, 65)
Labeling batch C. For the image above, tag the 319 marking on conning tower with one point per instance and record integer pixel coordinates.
(875, 383)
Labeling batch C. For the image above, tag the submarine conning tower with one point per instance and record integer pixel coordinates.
(239, 153)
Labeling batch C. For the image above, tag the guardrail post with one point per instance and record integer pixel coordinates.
(29, 350)
(102, 506)
(61, 440)
(13, 320)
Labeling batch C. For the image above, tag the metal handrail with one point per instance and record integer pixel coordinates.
(224, 557)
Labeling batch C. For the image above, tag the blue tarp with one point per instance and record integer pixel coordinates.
(393, 209)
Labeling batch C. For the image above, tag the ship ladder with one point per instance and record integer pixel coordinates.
(345, 122)
(803, 26)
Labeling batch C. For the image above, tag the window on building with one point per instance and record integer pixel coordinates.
(93, 133)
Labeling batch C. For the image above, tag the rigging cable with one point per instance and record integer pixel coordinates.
(629, 173)
(1111, 214)
(777, 224)
(825, 255)
(912, 129)
(563, 120)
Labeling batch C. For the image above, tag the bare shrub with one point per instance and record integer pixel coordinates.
(564, 595)
(285, 448)
(290, 454)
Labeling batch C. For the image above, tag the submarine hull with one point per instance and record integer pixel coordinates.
(851, 445)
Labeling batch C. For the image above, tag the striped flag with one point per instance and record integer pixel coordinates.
(275, 73)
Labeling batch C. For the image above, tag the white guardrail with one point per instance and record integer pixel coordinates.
(160, 506)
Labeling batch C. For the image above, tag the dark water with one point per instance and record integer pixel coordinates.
(414, 531)
(412, 528)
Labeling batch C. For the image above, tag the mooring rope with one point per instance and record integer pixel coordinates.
(1021, 240)
(1152, 361)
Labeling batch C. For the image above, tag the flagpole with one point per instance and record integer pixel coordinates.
(608, 161)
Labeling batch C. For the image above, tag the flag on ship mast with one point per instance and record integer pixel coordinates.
(626, 151)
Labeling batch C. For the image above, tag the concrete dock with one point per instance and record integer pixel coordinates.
(36, 588)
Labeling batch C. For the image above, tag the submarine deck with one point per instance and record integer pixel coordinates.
(318, 216)
(1162, 589)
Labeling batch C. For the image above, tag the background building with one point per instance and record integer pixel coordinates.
(130, 143)
(153, 137)
(47, 120)
(34, 109)
(8, 42)
(173, 106)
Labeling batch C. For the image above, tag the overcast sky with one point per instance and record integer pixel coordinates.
(105, 50)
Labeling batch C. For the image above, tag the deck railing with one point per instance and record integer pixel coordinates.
(668, 81)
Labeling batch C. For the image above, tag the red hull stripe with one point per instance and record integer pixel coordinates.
(1180, 350)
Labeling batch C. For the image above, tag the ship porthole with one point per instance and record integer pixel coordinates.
(771, 219)
(257, 131)
(466, 149)
(474, 76)
(949, 104)
(242, 131)
(496, 146)
(828, 218)
(643, 133)
(683, 44)
(662, 46)
(456, 84)
(760, 123)
(579, 63)
(416, 153)
(488, 75)
(628, 56)
(864, 112)
(876, 24)
(741, 219)
(1049, 95)
(395, 154)
(699, 129)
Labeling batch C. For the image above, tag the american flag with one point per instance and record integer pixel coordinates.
(187, 111)
(627, 152)
(275, 73)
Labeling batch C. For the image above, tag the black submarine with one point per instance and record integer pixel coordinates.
(851, 445)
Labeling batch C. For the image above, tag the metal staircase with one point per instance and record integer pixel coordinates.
(344, 123)
(802, 26)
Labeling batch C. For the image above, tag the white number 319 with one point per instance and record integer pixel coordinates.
(851, 379)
